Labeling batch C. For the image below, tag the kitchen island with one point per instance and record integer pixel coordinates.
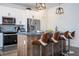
(26, 48)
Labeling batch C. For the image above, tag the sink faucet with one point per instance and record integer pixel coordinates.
(56, 28)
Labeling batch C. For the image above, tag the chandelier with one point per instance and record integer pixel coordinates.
(40, 6)
(59, 10)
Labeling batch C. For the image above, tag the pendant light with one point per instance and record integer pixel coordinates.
(40, 6)
(59, 10)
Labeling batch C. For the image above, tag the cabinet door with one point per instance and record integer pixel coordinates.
(1, 40)
(22, 45)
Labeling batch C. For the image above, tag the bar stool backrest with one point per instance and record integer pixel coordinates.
(45, 37)
(66, 34)
(50, 36)
(57, 35)
(73, 34)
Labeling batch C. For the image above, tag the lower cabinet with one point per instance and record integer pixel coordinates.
(22, 45)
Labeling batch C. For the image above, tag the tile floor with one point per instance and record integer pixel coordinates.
(13, 52)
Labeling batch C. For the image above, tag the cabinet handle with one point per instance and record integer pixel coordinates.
(24, 42)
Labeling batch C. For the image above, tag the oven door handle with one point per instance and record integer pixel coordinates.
(9, 34)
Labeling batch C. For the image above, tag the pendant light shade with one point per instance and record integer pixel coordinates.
(59, 10)
(40, 6)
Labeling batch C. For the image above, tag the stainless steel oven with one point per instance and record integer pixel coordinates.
(9, 34)
(9, 38)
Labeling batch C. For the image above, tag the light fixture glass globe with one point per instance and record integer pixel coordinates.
(40, 6)
(59, 10)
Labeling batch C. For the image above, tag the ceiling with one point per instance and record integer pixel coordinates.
(27, 5)
(33, 5)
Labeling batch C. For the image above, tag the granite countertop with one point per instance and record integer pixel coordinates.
(30, 33)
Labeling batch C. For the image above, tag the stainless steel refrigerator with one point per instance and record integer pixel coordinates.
(33, 24)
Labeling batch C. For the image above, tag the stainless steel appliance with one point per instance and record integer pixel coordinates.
(8, 20)
(33, 24)
(9, 34)
(9, 38)
(8, 28)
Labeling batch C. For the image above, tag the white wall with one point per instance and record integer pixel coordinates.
(44, 19)
(68, 21)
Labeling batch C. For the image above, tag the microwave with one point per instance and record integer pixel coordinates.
(8, 20)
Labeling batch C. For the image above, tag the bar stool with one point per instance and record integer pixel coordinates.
(38, 44)
(71, 35)
(56, 46)
(47, 50)
(67, 36)
(64, 38)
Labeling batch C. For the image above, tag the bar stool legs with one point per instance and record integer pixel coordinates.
(69, 50)
(62, 49)
(71, 36)
(40, 50)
